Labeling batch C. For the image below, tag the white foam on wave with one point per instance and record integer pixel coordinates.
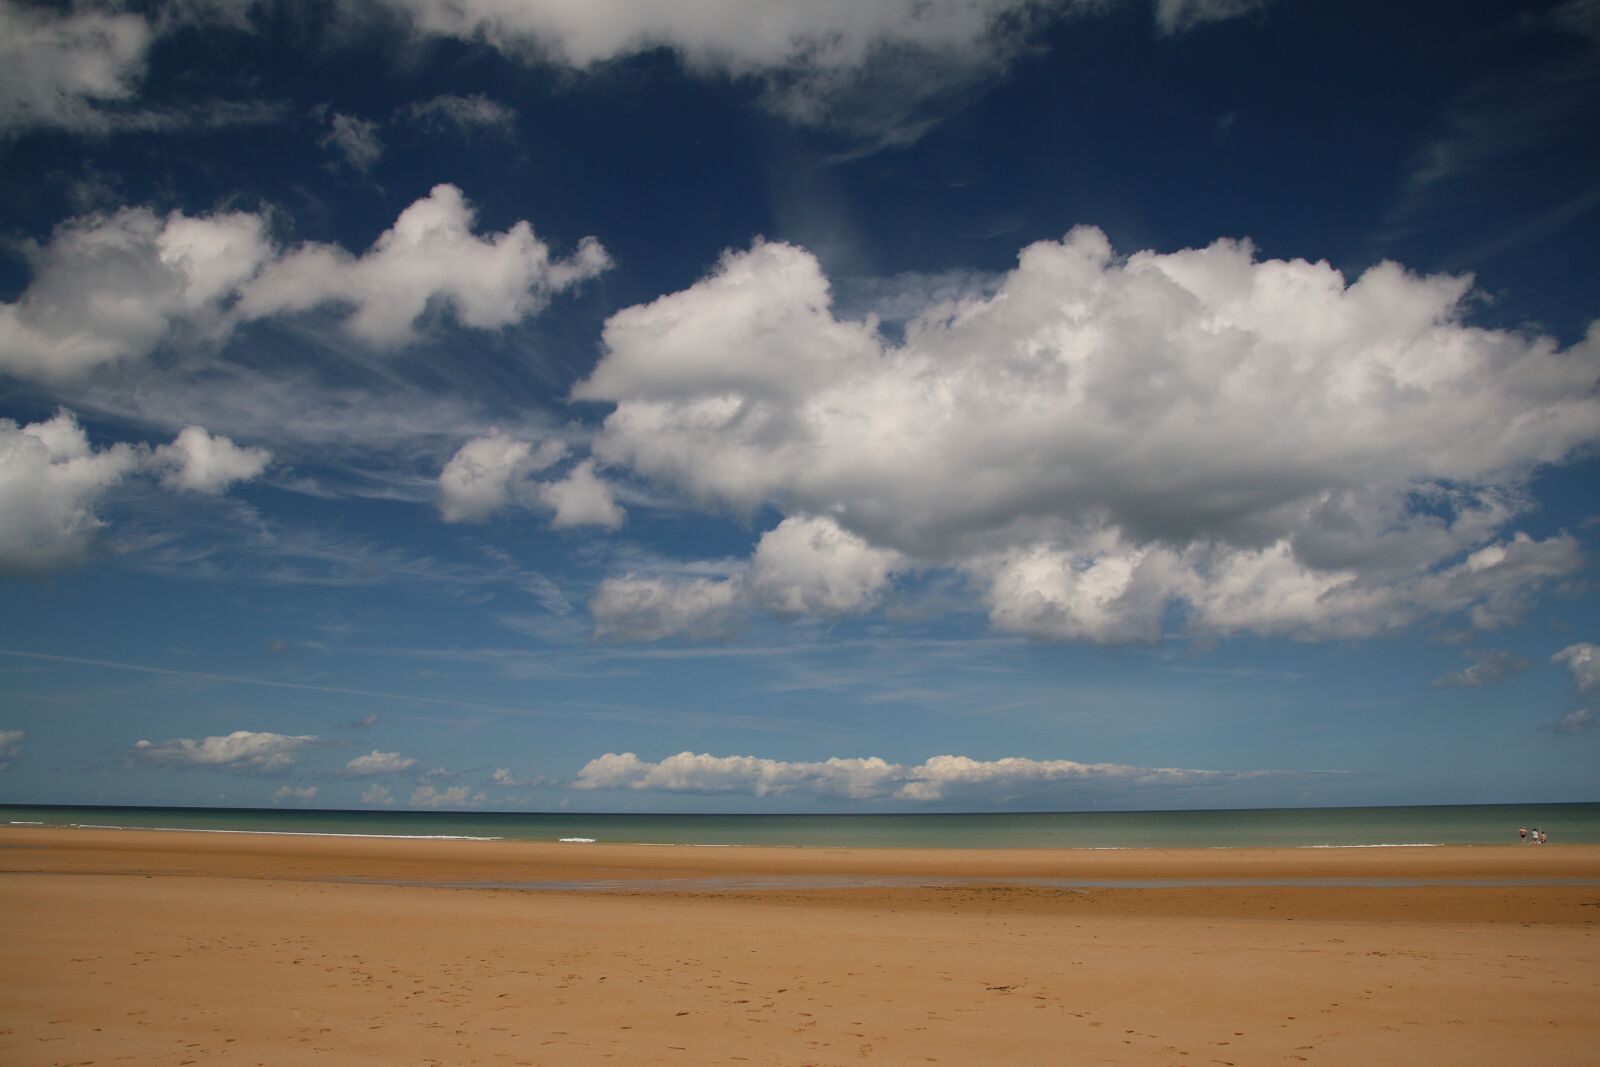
(25, 822)
(577, 840)
(1398, 844)
(283, 833)
(684, 844)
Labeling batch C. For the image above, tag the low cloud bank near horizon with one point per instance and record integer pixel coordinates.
(873, 778)
(376, 762)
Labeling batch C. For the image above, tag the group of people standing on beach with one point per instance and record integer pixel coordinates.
(1539, 836)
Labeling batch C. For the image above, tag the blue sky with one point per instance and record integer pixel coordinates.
(746, 406)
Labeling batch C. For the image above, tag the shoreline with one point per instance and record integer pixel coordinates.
(1360, 827)
(267, 853)
(700, 844)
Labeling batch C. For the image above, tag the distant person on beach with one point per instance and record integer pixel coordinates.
(1522, 832)
(1536, 836)
(1544, 838)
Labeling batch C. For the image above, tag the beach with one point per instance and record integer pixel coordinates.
(165, 947)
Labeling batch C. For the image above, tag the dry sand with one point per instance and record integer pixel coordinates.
(169, 948)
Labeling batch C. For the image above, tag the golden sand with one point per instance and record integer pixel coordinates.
(171, 948)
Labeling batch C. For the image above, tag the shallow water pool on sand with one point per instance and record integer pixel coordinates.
(747, 883)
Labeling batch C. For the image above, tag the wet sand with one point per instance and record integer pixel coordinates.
(144, 947)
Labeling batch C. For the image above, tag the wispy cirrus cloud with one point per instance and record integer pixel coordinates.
(467, 114)
(1487, 667)
(11, 747)
(352, 139)
(1496, 129)
(238, 544)
(1178, 16)
(1577, 721)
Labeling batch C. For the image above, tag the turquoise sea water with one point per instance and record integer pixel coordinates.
(1482, 824)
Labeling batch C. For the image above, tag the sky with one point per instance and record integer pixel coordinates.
(739, 405)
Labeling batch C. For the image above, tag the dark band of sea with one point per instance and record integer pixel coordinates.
(1475, 824)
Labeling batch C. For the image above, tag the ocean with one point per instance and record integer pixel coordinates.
(1477, 824)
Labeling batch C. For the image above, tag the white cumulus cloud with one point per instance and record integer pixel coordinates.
(429, 257)
(1099, 440)
(738, 34)
(688, 772)
(850, 62)
(377, 794)
(649, 608)
(242, 750)
(491, 472)
(1583, 660)
(867, 778)
(52, 479)
(935, 777)
(1099, 589)
(804, 566)
(114, 287)
(811, 566)
(503, 776)
(303, 794)
(582, 498)
(200, 462)
(376, 762)
(455, 796)
(881, 68)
